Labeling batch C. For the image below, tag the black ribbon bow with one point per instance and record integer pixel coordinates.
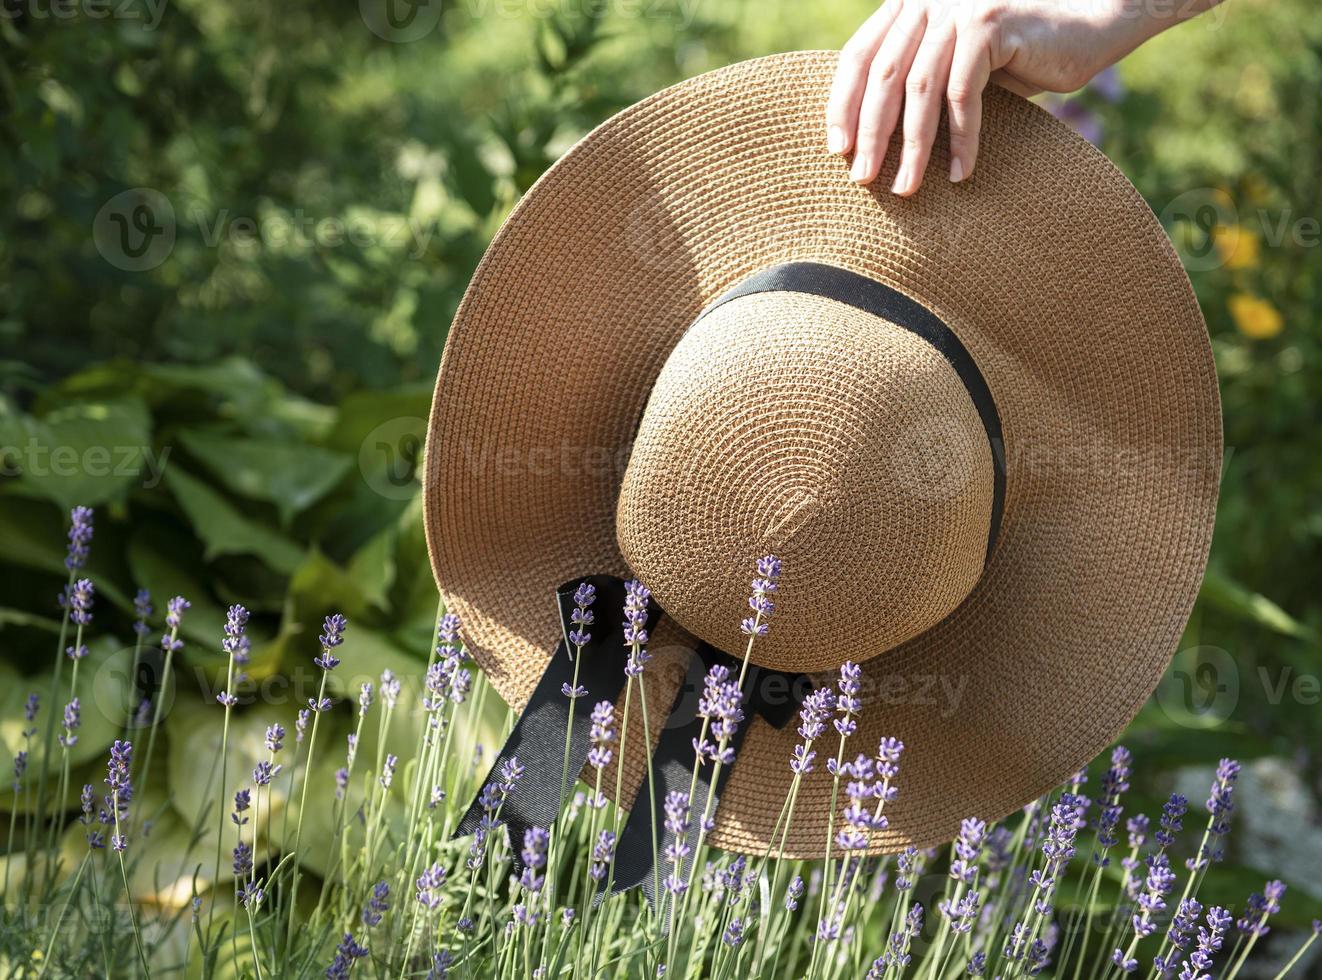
(538, 738)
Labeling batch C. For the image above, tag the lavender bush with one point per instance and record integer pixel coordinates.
(333, 855)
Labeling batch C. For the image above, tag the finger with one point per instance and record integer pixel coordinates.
(969, 72)
(885, 93)
(851, 76)
(924, 90)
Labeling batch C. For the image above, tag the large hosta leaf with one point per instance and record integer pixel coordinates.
(290, 475)
(225, 530)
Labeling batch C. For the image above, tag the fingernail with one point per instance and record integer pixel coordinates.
(859, 171)
(956, 170)
(901, 180)
(835, 139)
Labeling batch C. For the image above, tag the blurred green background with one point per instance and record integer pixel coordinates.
(232, 236)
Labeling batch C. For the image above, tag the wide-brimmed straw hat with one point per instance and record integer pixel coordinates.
(979, 426)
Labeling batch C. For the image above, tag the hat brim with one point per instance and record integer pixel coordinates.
(1047, 265)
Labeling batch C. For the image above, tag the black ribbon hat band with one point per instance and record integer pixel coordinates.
(538, 737)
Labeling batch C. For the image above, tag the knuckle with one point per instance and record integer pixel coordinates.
(961, 94)
(885, 72)
(918, 85)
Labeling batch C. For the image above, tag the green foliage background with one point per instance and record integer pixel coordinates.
(283, 375)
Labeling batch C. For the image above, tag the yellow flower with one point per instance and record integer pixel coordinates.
(1237, 246)
(1256, 318)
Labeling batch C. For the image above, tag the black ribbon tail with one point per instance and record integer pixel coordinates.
(672, 771)
(537, 740)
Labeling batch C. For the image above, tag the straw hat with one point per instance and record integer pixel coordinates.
(980, 427)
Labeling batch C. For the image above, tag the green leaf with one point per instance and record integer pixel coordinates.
(1224, 593)
(290, 475)
(225, 530)
(164, 562)
(83, 453)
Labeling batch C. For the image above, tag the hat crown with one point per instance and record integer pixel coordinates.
(801, 426)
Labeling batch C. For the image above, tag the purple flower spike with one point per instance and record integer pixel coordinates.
(80, 538)
(332, 636)
(602, 852)
(636, 599)
(78, 599)
(767, 581)
(1260, 908)
(1219, 807)
(428, 887)
(275, 738)
(602, 734)
(346, 953)
(377, 905)
(175, 610)
(536, 841)
(847, 704)
(142, 609)
(1172, 820)
(677, 822)
(581, 618)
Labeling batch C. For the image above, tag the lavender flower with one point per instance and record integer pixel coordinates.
(389, 689)
(72, 722)
(1152, 900)
(364, 698)
(722, 705)
(377, 905)
(275, 738)
(602, 853)
(20, 767)
(80, 538)
(767, 581)
(332, 636)
(1219, 807)
(794, 893)
(847, 704)
(264, 772)
(121, 789)
(142, 609)
(242, 860)
(235, 643)
(242, 801)
(1260, 908)
(734, 933)
(636, 599)
(536, 841)
(602, 735)
(429, 884)
(174, 616)
(251, 894)
(1172, 820)
(346, 954)
(301, 723)
(1210, 939)
(78, 599)
(1178, 937)
(813, 715)
(972, 834)
(581, 618)
(388, 770)
(677, 822)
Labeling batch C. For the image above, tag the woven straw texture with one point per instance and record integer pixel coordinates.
(1055, 276)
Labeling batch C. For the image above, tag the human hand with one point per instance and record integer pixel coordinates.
(912, 55)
